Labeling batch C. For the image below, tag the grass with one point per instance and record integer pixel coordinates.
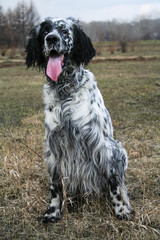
(132, 94)
(20, 95)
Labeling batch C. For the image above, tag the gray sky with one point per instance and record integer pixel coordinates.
(89, 10)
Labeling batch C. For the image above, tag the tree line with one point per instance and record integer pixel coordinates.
(143, 29)
(15, 25)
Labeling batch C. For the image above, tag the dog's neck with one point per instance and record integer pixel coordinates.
(70, 80)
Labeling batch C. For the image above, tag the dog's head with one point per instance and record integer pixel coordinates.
(55, 41)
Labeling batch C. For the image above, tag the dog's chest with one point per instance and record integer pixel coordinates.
(57, 112)
(83, 110)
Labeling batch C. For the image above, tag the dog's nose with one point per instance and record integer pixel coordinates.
(52, 38)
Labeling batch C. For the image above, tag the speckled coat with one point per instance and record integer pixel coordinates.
(79, 148)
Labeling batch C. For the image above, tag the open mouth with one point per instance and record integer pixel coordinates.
(54, 53)
(54, 65)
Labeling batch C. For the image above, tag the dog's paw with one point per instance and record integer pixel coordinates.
(52, 215)
(124, 213)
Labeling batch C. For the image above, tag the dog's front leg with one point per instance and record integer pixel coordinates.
(54, 211)
(53, 156)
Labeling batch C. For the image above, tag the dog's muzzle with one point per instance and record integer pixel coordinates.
(53, 39)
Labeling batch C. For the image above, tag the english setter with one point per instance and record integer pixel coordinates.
(80, 148)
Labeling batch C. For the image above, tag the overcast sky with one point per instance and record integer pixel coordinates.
(89, 10)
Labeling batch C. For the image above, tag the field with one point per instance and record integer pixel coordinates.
(131, 91)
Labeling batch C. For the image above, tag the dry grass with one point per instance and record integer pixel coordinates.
(137, 48)
(132, 97)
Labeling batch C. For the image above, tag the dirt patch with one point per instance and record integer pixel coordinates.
(6, 64)
(121, 59)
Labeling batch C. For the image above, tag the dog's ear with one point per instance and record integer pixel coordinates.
(83, 50)
(34, 50)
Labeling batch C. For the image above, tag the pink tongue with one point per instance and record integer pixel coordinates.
(54, 68)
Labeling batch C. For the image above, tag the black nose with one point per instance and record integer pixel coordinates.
(52, 38)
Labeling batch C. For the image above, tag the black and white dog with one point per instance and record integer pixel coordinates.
(80, 148)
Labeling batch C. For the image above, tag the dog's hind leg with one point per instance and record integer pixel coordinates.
(117, 190)
(120, 201)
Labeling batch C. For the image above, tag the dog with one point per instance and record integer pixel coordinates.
(81, 153)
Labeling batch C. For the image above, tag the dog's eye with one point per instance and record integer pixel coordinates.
(45, 32)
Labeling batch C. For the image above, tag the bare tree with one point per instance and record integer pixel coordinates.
(112, 30)
(124, 36)
(25, 17)
(16, 24)
(1, 26)
(95, 30)
(10, 29)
